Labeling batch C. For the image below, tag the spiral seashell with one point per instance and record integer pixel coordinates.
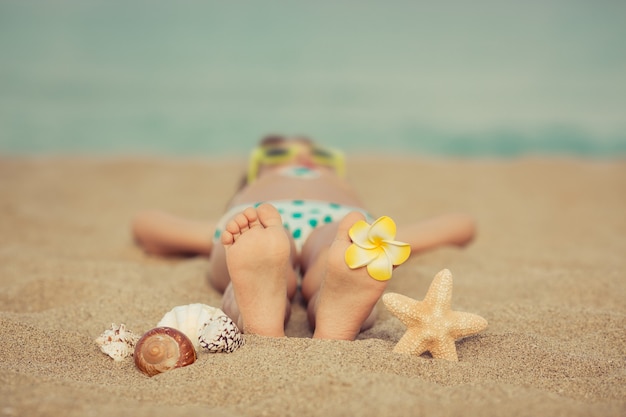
(162, 349)
(221, 335)
(191, 319)
(117, 342)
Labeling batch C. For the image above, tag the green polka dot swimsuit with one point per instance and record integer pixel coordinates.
(300, 217)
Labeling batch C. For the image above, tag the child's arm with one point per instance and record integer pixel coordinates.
(161, 233)
(447, 229)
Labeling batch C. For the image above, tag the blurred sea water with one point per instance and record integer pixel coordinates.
(482, 78)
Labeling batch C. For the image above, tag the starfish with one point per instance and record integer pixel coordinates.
(431, 325)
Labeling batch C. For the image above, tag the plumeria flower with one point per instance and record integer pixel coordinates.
(374, 245)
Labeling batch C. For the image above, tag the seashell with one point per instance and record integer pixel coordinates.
(162, 349)
(221, 335)
(191, 319)
(117, 342)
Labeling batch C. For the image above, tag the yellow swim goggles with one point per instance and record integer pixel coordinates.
(283, 153)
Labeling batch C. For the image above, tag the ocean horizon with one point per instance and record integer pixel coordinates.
(211, 78)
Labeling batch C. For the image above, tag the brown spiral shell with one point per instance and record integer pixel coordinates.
(162, 349)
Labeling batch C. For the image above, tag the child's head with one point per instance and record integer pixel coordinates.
(277, 151)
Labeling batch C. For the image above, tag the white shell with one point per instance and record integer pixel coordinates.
(192, 319)
(117, 342)
(221, 335)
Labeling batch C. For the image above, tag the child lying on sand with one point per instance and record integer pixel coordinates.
(291, 218)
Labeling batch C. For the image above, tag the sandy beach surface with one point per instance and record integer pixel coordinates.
(546, 270)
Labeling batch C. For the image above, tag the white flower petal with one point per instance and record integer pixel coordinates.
(374, 246)
(359, 234)
(380, 268)
(357, 257)
(382, 229)
(397, 252)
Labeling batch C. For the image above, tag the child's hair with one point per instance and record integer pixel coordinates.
(274, 139)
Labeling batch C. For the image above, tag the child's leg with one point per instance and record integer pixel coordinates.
(259, 262)
(341, 300)
(161, 233)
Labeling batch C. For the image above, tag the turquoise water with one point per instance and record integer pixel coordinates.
(476, 78)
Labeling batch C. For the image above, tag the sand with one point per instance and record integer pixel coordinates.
(546, 270)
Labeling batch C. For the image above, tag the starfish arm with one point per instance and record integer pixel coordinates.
(439, 294)
(412, 343)
(465, 324)
(445, 349)
(406, 309)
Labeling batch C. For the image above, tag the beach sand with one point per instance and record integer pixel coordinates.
(546, 270)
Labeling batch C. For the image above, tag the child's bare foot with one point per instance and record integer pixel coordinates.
(346, 297)
(258, 258)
